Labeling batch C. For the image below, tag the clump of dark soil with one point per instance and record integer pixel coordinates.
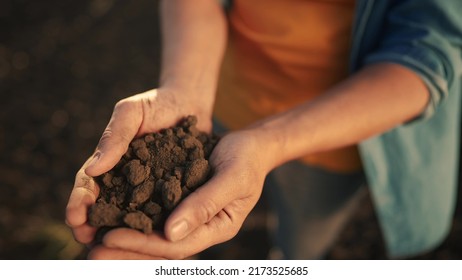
(155, 174)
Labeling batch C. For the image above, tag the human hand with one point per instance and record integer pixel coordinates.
(212, 214)
(134, 116)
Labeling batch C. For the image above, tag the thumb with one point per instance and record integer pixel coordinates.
(125, 122)
(199, 207)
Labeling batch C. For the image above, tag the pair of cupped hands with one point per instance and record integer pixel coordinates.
(212, 214)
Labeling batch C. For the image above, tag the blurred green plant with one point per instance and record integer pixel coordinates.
(58, 243)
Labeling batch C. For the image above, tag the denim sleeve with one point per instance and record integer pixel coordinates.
(425, 36)
(226, 4)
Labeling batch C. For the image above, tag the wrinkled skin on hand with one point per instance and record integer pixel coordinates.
(134, 116)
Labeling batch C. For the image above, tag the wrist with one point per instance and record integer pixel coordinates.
(269, 144)
(187, 85)
(187, 101)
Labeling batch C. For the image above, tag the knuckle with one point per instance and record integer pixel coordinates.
(122, 103)
(207, 210)
(107, 134)
(82, 181)
(125, 105)
(230, 228)
(69, 218)
(147, 101)
(117, 140)
(81, 238)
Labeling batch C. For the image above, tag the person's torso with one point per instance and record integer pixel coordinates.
(282, 53)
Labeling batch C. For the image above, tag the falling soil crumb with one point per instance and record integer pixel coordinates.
(155, 174)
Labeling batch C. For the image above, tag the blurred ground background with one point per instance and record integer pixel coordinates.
(63, 65)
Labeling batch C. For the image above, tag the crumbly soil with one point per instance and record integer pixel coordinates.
(150, 180)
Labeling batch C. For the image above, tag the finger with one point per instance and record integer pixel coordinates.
(83, 195)
(221, 228)
(122, 128)
(84, 233)
(201, 206)
(104, 253)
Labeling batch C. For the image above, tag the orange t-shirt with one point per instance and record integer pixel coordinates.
(282, 53)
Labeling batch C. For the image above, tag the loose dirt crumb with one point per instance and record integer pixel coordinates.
(154, 175)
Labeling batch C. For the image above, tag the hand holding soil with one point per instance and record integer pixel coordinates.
(132, 117)
(214, 213)
(155, 174)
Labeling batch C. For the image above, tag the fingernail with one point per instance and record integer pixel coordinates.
(179, 230)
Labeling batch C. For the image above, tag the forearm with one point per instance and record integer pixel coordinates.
(194, 35)
(371, 102)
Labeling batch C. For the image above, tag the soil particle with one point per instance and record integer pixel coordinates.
(154, 175)
(139, 146)
(107, 180)
(104, 214)
(171, 193)
(138, 220)
(143, 192)
(136, 172)
(196, 173)
(152, 208)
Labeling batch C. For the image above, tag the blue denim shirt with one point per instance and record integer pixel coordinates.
(412, 170)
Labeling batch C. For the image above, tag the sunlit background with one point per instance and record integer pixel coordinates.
(63, 65)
